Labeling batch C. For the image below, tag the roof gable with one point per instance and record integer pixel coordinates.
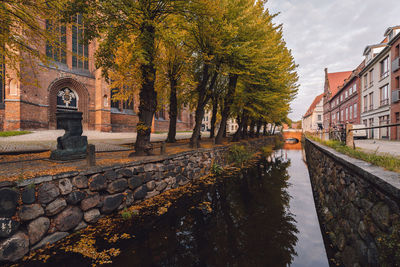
(336, 79)
(313, 105)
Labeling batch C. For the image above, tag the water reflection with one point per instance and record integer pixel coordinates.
(240, 221)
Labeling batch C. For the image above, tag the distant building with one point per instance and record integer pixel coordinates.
(394, 42)
(376, 84)
(313, 118)
(333, 82)
(345, 105)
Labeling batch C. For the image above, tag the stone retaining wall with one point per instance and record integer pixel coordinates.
(357, 203)
(43, 210)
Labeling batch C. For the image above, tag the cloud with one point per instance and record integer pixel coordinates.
(329, 34)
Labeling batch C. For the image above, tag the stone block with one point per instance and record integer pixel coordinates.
(68, 219)
(47, 192)
(37, 229)
(75, 197)
(134, 182)
(91, 216)
(55, 207)
(111, 203)
(117, 186)
(97, 182)
(14, 248)
(80, 182)
(140, 193)
(111, 175)
(8, 227)
(8, 202)
(50, 239)
(28, 195)
(90, 202)
(30, 212)
(65, 186)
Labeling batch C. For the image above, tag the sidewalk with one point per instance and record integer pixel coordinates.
(47, 140)
(379, 146)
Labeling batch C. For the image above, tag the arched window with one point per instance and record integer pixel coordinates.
(67, 99)
(57, 50)
(80, 48)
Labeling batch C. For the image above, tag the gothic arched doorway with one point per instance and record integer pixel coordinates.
(67, 94)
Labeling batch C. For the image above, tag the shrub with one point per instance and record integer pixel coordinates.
(238, 154)
(126, 214)
(216, 169)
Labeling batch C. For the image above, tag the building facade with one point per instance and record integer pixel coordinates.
(313, 119)
(394, 43)
(70, 82)
(333, 82)
(375, 88)
(345, 105)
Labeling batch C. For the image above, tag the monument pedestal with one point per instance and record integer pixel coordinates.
(72, 145)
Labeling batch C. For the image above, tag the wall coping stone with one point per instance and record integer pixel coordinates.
(384, 180)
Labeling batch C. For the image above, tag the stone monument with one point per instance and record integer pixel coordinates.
(72, 145)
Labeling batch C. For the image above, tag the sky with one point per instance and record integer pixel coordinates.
(330, 34)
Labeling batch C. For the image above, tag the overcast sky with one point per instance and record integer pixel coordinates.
(332, 34)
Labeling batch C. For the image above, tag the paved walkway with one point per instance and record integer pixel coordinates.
(47, 140)
(379, 146)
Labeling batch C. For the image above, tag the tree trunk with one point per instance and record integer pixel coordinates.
(236, 136)
(259, 123)
(265, 129)
(173, 112)
(148, 96)
(228, 101)
(202, 102)
(273, 131)
(244, 130)
(251, 131)
(214, 115)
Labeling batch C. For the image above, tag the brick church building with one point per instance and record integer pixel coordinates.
(70, 82)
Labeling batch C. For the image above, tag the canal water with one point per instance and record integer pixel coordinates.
(262, 216)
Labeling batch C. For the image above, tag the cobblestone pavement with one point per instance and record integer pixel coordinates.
(380, 146)
(46, 140)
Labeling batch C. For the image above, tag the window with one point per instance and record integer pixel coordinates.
(80, 50)
(347, 113)
(341, 115)
(319, 117)
(397, 51)
(371, 101)
(371, 77)
(351, 112)
(345, 94)
(355, 110)
(397, 83)
(384, 132)
(128, 105)
(160, 115)
(115, 104)
(57, 51)
(385, 67)
(2, 80)
(384, 95)
(341, 98)
(365, 103)
(337, 115)
(365, 81)
(355, 88)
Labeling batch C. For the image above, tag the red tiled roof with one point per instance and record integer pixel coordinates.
(336, 79)
(313, 105)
